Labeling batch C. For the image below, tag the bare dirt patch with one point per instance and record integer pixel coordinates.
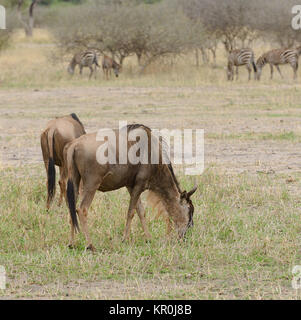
(217, 110)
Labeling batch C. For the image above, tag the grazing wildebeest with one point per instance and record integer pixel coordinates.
(57, 134)
(278, 57)
(108, 64)
(84, 59)
(240, 57)
(83, 162)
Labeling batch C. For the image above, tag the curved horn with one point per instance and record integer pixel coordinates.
(191, 192)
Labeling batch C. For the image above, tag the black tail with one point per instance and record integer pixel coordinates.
(71, 204)
(254, 66)
(51, 179)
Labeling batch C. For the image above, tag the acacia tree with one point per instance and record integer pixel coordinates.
(148, 31)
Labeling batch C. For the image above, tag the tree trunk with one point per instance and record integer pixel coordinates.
(213, 50)
(28, 26)
(139, 56)
(204, 55)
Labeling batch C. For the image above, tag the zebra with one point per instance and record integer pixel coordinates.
(84, 59)
(108, 64)
(240, 57)
(276, 57)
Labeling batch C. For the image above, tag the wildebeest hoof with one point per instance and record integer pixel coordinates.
(70, 246)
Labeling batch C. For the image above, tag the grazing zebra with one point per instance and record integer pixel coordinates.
(108, 64)
(84, 59)
(279, 56)
(240, 57)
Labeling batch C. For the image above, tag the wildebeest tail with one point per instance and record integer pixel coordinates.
(72, 171)
(51, 168)
(72, 204)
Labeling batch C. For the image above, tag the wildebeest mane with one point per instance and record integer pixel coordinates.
(75, 117)
(136, 126)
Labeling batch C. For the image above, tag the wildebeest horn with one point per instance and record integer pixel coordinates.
(191, 192)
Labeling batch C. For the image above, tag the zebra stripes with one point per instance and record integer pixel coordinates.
(278, 57)
(84, 59)
(240, 57)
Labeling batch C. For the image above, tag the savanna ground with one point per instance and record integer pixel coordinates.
(246, 235)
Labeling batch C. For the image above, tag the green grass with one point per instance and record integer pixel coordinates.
(244, 243)
(283, 136)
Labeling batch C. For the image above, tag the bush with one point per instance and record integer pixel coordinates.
(129, 28)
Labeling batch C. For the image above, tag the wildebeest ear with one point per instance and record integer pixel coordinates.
(191, 192)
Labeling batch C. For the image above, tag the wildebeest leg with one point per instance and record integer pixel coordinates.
(236, 72)
(141, 213)
(83, 214)
(81, 70)
(272, 71)
(277, 67)
(135, 194)
(62, 183)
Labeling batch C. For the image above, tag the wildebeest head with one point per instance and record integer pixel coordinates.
(188, 208)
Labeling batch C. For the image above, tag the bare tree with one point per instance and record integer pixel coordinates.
(28, 24)
(148, 31)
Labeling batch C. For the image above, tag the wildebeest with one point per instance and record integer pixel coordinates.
(84, 59)
(57, 134)
(82, 163)
(108, 64)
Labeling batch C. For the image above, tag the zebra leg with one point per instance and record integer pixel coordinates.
(277, 67)
(249, 70)
(272, 71)
(295, 68)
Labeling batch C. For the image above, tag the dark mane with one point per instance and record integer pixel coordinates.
(75, 117)
(134, 126)
(174, 177)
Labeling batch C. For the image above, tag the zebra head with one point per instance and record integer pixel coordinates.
(116, 68)
(261, 61)
(70, 69)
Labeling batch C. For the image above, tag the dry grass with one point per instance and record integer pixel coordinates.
(246, 237)
(34, 64)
